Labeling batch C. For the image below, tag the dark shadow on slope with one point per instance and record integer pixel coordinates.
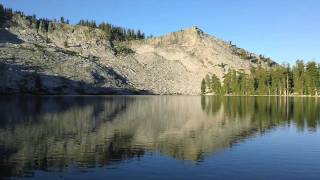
(8, 37)
(18, 79)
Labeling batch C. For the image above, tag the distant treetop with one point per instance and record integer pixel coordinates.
(114, 33)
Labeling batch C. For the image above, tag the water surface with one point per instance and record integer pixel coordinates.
(159, 137)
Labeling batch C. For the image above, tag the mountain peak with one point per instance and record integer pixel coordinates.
(194, 29)
(190, 34)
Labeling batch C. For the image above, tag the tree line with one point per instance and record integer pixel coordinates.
(300, 79)
(41, 24)
(114, 33)
(5, 14)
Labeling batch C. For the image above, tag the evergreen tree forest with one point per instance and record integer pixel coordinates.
(113, 33)
(41, 25)
(5, 14)
(300, 79)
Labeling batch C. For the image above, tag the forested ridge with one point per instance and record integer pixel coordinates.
(114, 33)
(299, 79)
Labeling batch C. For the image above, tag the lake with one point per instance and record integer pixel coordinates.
(159, 137)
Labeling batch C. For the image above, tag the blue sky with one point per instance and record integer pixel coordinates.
(285, 30)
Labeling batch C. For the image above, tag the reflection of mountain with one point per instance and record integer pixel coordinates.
(54, 132)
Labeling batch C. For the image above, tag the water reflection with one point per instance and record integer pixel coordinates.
(52, 133)
(268, 111)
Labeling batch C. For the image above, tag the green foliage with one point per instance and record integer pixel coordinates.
(65, 44)
(122, 49)
(203, 86)
(44, 25)
(244, 55)
(87, 23)
(215, 85)
(312, 78)
(72, 53)
(114, 33)
(279, 80)
(245, 84)
(222, 65)
(299, 77)
(262, 80)
(267, 60)
(107, 28)
(227, 82)
(2, 15)
(62, 20)
(304, 112)
(211, 85)
(238, 83)
(5, 14)
(50, 27)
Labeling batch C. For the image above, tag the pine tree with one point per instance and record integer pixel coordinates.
(299, 77)
(138, 34)
(262, 78)
(2, 15)
(289, 80)
(312, 78)
(50, 27)
(41, 26)
(243, 83)
(234, 82)
(249, 85)
(227, 82)
(203, 86)
(215, 85)
(279, 80)
(208, 82)
(62, 19)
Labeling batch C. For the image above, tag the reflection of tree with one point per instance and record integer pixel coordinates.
(268, 111)
(211, 105)
(54, 132)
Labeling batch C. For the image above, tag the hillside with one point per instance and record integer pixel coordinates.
(74, 59)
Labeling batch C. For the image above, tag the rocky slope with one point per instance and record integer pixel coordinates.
(81, 60)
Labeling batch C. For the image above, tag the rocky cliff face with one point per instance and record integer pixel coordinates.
(81, 60)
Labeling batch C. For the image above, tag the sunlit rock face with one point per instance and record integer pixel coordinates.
(54, 132)
(73, 59)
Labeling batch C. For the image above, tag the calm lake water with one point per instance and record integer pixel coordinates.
(159, 137)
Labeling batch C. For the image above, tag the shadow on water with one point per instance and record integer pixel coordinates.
(53, 132)
(8, 37)
(65, 120)
(31, 109)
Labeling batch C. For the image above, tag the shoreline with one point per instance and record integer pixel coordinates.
(38, 95)
(318, 96)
